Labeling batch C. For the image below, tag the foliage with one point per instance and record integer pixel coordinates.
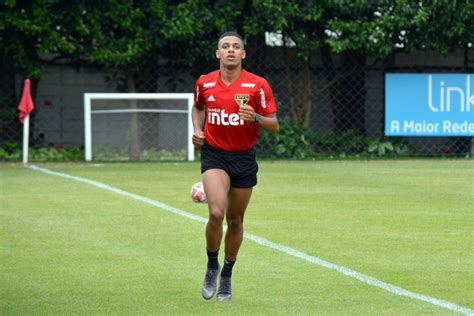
(383, 147)
(163, 155)
(23, 31)
(10, 147)
(10, 156)
(302, 24)
(339, 144)
(380, 27)
(300, 21)
(103, 153)
(13, 152)
(292, 141)
(122, 35)
(296, 141)
(128, 35)
(356, 29)
(377, 28)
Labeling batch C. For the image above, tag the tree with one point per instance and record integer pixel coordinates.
(297, 21)
(128, 37)
(379, 29)
(27, 34)
(355, 30)
(382, 27)
(134, 38)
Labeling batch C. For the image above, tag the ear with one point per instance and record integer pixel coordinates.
(244, 53)
(218, 55)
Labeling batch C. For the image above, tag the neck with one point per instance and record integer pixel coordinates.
(228, 75)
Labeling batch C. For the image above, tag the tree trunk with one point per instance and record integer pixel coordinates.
(306, 97)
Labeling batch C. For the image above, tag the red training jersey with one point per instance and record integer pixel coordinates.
(223, 127)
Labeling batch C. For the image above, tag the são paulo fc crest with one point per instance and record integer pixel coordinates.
(241, 99)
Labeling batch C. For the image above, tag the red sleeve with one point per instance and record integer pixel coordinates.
(266, 103)
(199, 101)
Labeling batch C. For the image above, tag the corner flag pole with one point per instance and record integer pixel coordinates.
(25, 107)
(26, 138)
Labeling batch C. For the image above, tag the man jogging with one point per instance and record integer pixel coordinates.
(231, 104)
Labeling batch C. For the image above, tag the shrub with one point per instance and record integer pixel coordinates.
(292, 141)
(349, 142)
(13, 152)
(383, 147)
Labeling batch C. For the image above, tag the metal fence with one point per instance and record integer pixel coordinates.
(330, 106)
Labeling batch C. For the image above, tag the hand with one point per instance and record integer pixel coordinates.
(198, 139)
(247, 113)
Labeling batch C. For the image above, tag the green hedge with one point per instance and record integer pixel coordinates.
(297, 141)
(13, 152)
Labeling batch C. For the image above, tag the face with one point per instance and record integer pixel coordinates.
(230, 51)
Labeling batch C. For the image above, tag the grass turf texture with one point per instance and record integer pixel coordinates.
(68, 247)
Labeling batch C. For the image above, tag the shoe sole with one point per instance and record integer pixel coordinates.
(224, 299)
(206, 297)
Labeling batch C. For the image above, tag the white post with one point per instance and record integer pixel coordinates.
(190, 128)
(26, 138)
(87, 128)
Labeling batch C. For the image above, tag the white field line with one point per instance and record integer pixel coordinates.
(279, 247)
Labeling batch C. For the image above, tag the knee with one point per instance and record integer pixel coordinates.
(235, 223)
(216, 217)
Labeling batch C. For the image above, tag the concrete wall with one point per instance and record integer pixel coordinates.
(59, 113)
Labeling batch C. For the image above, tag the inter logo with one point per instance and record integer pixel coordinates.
(218, 117)
(242, 99)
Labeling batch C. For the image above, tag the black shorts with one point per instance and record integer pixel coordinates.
(241, 166)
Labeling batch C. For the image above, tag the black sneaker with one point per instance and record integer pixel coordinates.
(225, 289)
(210, 283)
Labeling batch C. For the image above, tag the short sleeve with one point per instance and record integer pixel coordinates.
(199, 101)
(267, 103)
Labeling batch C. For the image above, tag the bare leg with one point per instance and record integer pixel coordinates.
(216, 184)
(238, 201)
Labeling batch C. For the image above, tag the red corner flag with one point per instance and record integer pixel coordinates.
(26, 103)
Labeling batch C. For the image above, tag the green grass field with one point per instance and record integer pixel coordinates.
(69, 247)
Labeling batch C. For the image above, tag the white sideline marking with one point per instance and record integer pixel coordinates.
(267, 243)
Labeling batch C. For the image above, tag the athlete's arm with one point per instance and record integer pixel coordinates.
(198, 116)
(268, 122)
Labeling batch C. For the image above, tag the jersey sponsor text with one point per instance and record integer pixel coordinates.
(208, 84)
(220, 117)
(262, 99)
(247, 85)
